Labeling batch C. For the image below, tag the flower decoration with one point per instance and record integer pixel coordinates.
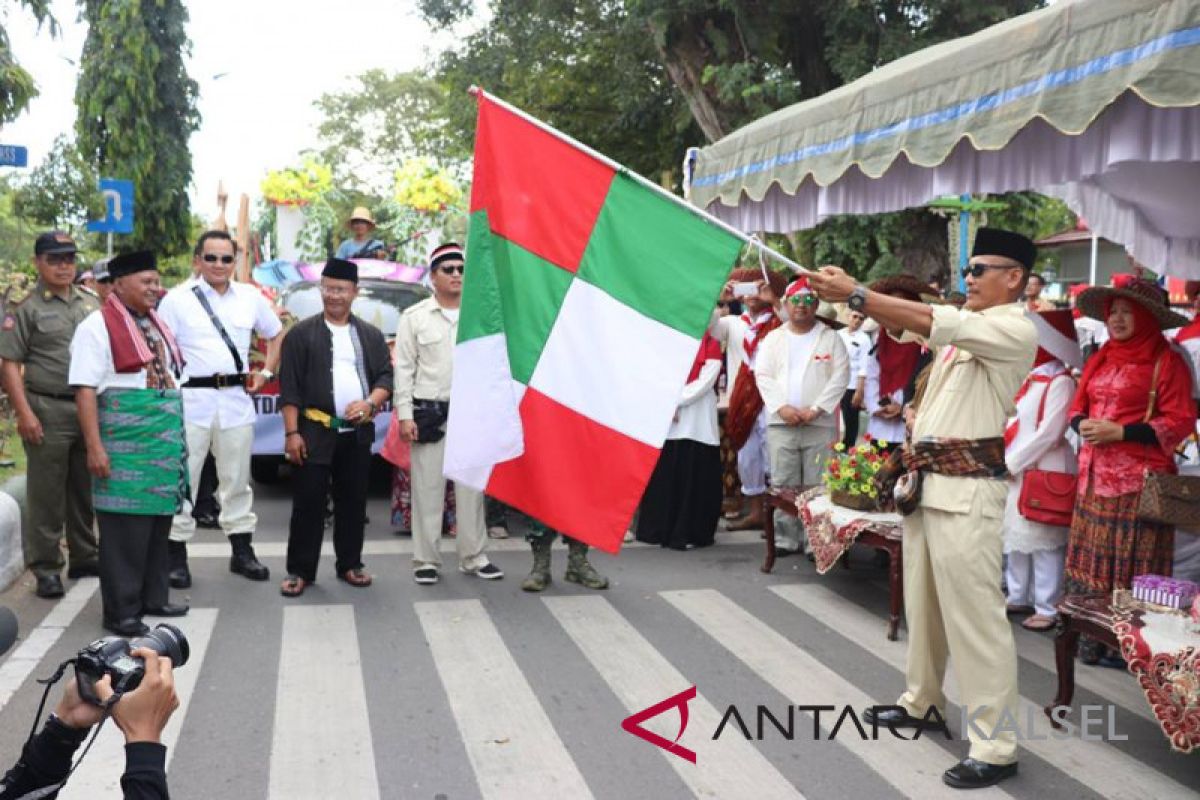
(853, 471)
(422, 185)
(297, 185)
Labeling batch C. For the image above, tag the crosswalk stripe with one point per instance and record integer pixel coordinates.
(640, 676)
(403, 545)
(513, 747)
(25, 659)
(914, 768)
(1098, 765)
(100, 773)
(321, 746)
(1111, 684)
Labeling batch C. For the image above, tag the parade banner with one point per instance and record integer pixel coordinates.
(585, 297)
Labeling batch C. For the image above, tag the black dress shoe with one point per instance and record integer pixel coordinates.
(246, 564)
(898, 717)
(210, 521)
(88, 569)
(972, 774)
(179, 576)
(168, 610)
(49, 586)
(130, 626)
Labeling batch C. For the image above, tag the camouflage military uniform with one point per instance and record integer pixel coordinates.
(36, 332)
(579, 569)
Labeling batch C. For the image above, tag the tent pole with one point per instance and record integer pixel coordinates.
(1092, 265)
(603, 159)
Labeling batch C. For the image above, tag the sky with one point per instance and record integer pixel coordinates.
(259, 64)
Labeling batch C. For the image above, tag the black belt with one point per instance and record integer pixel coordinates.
(53, 395)
(216, 381)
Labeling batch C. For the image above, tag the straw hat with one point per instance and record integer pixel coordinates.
(361, 213)
(907, 287)
(1148, 295)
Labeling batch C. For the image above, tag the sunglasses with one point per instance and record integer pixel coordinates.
(977, 270)
(212, 258)
(806, 299)
(58, 259)
(453, 268)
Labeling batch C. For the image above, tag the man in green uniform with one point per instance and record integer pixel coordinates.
(35, 338)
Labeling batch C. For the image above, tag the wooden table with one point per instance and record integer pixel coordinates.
(784, 499)
(1078, 615)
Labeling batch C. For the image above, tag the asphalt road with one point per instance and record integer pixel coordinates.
(471, 689)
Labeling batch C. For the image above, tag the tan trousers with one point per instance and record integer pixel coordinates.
(953, 606)
(798, 455)
(428, 498)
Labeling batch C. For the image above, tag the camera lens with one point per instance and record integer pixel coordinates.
(166, 640)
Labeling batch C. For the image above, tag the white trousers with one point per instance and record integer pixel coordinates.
(752, 459)
(231, 451)
(428, 499)
(1036, 579)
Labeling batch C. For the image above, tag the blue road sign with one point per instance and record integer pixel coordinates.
(118, 204)
(13, 155)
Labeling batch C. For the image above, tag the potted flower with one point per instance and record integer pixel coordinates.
(850, 474)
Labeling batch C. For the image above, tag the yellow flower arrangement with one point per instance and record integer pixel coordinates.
(297, 185)
(854, 471)
(422, 185)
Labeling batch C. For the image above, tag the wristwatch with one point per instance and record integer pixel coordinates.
(858, 298)
(266, 373)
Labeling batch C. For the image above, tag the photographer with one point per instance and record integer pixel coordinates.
(141, 715)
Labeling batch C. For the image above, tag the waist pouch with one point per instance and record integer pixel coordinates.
(430, 417)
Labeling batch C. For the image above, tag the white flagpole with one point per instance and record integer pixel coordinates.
(651, 185)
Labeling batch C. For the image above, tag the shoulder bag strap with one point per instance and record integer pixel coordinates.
(1154, 388)
(216, 321)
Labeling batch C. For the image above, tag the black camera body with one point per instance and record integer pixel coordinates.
(113, 656)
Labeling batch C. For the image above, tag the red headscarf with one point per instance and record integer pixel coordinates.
(897, 362)
(1144, 347)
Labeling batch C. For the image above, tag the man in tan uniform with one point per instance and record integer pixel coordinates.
(953, 540)
(35, 340)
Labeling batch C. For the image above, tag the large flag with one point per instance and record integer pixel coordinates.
(585, 298)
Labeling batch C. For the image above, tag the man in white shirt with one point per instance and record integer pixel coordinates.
(213, 318)
(424, 365)
(802, 372)
(858, 347)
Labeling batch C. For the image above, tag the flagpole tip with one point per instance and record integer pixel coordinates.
(474, 91)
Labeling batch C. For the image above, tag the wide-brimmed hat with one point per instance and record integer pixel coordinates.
(361, 213)
(907, 286)
(1150, 296)
(777, 279)
(827, 313)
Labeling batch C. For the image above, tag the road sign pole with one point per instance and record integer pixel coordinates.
(110, 244)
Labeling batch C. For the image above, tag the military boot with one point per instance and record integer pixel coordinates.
(579, 570)
(539, 576)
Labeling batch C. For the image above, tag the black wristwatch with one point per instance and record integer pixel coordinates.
(858, 298)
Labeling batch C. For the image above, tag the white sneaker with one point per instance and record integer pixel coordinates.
(497, 532)
(629, 537)
(425, 575)
(489, 571)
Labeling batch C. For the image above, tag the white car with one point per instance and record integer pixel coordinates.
(380, 303)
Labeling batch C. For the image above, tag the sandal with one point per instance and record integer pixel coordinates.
(355, 577)
(293, 586)
(1038, 622)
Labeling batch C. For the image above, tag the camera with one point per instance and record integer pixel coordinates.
(112, 655)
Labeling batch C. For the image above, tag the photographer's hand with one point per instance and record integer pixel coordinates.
(143, 713)
(75, 712)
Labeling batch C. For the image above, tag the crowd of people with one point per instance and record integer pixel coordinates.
(123, 394)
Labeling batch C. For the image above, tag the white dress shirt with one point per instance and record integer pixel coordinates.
(858, 346)
(92, 361)
(242, 310)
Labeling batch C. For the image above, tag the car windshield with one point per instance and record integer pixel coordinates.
(379, 302)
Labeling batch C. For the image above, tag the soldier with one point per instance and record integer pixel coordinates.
(36, 334)
(579, 569)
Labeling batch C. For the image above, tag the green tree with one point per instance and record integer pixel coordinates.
(61, 191)
(137, 108)
(17, 87)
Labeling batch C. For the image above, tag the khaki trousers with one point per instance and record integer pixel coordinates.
(953, 606)
(798, 455)
(58, 490)
(428, 498)
(231, 451)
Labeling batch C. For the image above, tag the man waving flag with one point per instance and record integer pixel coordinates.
(585, 296)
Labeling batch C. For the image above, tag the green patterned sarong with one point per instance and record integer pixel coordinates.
(142, 430)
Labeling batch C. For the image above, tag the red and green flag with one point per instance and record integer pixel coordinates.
(585, 298)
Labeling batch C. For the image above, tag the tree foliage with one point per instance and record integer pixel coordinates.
(17, 87)
(61, 191)
(137, 109)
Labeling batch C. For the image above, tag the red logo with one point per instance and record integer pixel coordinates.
(633, 724)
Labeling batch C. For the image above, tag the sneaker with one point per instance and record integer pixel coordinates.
(425, 575)
(629, 537)
(497, 532)
(489, 572)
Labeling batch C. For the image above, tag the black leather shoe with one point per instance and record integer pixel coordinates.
(49, 586)
(179, 576)
(88, 569)
(168, 610)
(898, 717)
(246, 564)
(130, 626)
(972, 774)
(210, 521)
